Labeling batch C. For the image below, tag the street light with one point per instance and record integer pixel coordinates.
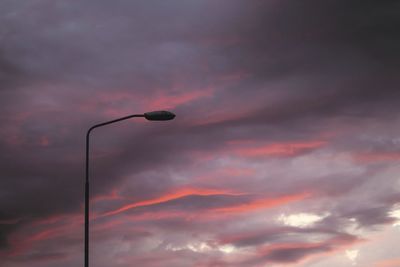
(151, 116)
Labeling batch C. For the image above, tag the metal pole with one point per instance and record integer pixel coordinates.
(86, 237)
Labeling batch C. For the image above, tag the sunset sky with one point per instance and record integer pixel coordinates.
(285, 148)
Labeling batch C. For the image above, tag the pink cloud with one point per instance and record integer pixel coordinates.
(263, 203)
(179, 193)
(371, 157)
(277, 149)
(162, 100)
(388, 263)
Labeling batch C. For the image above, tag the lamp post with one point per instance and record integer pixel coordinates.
(151, 116)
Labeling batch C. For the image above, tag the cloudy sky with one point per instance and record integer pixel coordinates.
(285, 150)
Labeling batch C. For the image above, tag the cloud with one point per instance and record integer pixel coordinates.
(352, 255)
(283, 109)
(301, 220)
(294, 252)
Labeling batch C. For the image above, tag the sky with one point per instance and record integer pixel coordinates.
(284, 151)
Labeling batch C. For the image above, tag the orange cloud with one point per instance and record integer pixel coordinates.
(159, 215)
(223, 173)
(264, 203)
(111, 196)
(47, 234)
(24, 243)
(163, 101)
(171, 196)
(278, 149)
(220, 116)
(119, 102)
(209, 214)
(235, 171)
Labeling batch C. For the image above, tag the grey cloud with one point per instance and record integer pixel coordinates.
(291, 253)
(270, 235)
(372, 216)
(9, 73)
(325, 65)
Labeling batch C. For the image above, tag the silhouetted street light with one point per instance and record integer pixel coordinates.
(151, 116)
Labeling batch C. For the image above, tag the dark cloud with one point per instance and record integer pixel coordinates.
(5, 229)
(276, 235)
(372, 216)
(294, 252)
(267, 71)
(43, 257)
(9, 73)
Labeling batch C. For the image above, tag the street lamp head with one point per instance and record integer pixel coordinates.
(159, 115)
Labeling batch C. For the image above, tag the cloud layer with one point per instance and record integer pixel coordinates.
(284, 150)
